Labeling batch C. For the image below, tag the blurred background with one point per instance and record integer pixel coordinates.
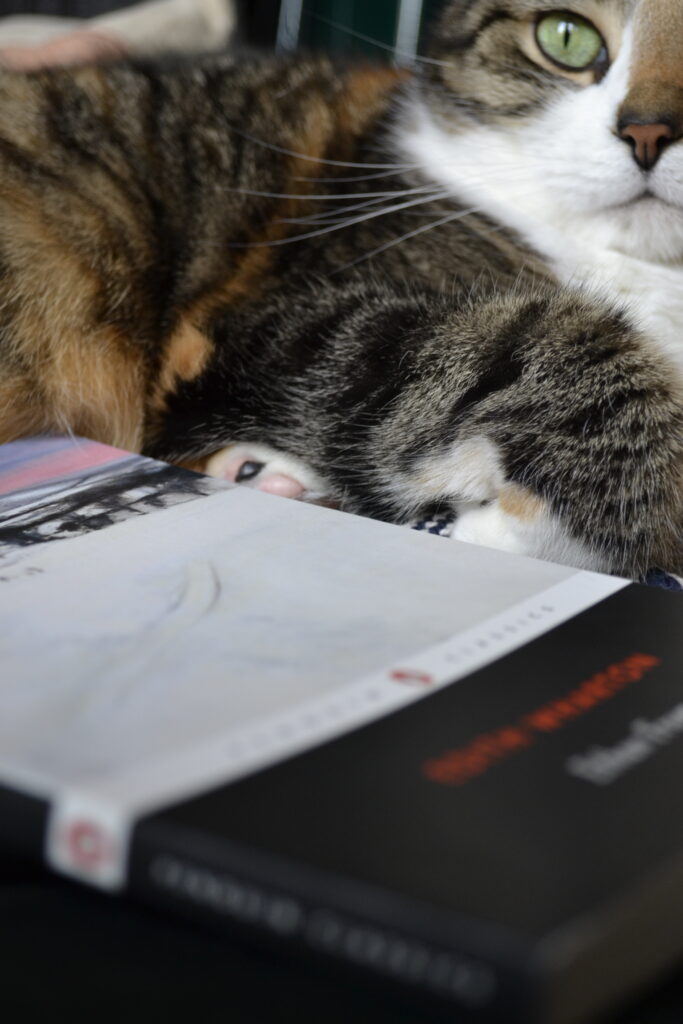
(340, 25)
(369, 28)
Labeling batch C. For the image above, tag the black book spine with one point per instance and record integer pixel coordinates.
(482, 974)
(24, 823)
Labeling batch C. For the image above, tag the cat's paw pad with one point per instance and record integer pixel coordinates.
(266, 469)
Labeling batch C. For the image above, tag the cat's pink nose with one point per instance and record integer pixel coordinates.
(647, 141)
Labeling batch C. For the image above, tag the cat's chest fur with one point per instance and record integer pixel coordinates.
(653, 293)
(575, 248)
(580, 256)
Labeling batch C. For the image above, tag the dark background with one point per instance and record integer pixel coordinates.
(71, 954)
(65, 8)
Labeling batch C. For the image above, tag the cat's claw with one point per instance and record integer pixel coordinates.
(266, 469)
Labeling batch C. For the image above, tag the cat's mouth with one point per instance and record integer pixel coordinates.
(645, 197)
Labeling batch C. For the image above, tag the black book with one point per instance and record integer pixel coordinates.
(449, 767)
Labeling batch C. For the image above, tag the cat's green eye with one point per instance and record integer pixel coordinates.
(569, 40)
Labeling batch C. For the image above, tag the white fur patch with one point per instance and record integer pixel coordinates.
(541, 537)
(471, 473)
(470, 470)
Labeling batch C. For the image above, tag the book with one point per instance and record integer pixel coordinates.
(448, 767)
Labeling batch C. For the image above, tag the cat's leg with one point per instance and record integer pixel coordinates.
(542, 420)
(568, 434)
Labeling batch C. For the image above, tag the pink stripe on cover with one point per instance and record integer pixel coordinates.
(25, 464)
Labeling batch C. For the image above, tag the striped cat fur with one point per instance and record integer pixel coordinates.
(459, 287)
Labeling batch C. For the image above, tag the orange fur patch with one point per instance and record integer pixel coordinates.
(195, 465)
(19, 417)
(520, 503)
(187, 353)
(77, 375)
(95, 388)
(366, 95)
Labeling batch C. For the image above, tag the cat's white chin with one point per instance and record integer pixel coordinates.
(647, 228)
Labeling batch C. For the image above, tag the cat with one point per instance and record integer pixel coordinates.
(459, 288)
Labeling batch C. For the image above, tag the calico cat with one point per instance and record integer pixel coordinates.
(459, 288)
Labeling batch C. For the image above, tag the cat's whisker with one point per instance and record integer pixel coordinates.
(481, 174)
(333, 197)
(336, 227)
(340, 211)
(308, 156)
(338, 218)
(397, 169)
(409, 234)
(429, 190)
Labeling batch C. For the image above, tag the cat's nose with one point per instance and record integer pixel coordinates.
(647, 141)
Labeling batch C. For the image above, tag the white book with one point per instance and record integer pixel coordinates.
(163, 632)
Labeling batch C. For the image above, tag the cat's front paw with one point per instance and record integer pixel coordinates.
(265, 469)
(491, 510)
(521, 523)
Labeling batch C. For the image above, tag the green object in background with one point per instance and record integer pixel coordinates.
(332, 24)
(368, 28)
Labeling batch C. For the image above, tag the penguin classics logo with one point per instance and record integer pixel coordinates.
(87, 845)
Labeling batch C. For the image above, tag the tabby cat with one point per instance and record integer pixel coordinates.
(457, 289)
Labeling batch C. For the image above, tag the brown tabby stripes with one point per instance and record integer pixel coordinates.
(184, 262)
